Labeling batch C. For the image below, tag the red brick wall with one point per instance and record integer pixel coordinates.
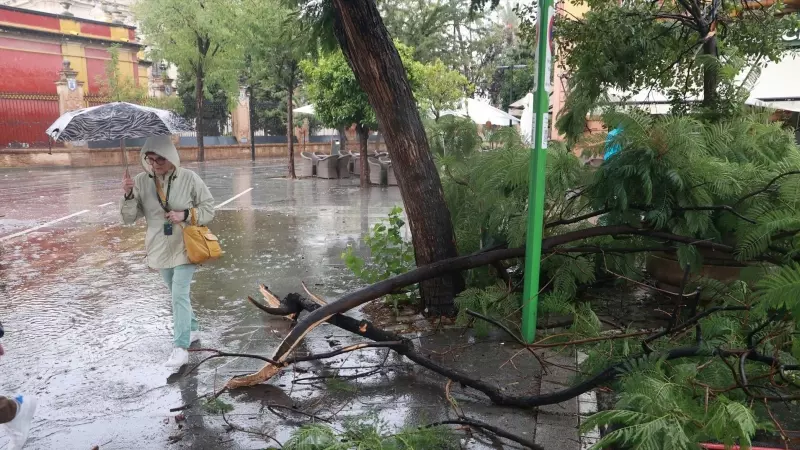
(28, 66)
(32, 20)
(96, 67)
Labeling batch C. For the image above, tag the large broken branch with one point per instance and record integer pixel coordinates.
(462, 263)
(495, 393)
(321, 312)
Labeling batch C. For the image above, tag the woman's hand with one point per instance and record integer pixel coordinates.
(175, 217)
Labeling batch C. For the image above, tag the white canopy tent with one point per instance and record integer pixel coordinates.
(481, 112)
(308, 109)
(526, 121)
(776, 88)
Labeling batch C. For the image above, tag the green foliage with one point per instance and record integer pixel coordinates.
(338, 99)
(438, 88)
(670, 169)
(339, 385)
(215, 108)
(781, 290)
(275, 41)
(369, 433)
(196, 36)
(117, 87)
(470, 42)
(495, 301)
(657, 411)
(313, 437)
(637, 46)
(390, 255)
(217, 406)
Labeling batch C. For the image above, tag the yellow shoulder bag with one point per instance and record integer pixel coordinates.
(201, 244)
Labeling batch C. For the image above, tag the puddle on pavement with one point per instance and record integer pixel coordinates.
(88, 324)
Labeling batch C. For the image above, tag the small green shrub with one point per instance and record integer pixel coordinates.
(390, 255)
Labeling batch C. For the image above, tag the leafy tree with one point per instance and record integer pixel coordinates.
(197, 36)
(687, 49)
(269, 110)
(466, 41)
(276, 43)
(216, 106)
(116, 87)
(339, 101)
(437, 87)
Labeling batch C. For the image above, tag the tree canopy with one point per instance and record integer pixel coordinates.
(686, 49)
(195, 36)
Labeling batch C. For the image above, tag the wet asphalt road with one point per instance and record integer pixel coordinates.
(88, 324)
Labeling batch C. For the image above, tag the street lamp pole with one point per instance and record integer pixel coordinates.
(511, 89)
(538, 161)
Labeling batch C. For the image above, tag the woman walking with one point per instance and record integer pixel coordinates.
(169, 197)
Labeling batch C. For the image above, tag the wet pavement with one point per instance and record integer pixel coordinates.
(88, 324)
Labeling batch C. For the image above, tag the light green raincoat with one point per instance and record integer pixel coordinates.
(187, 191)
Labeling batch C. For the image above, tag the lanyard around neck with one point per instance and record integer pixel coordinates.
(163, 200)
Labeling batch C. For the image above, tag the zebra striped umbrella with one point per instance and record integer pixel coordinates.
(116, 121)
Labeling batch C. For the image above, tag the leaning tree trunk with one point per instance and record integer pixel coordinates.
(290, 129)
(363, 142)
(373, 57)
(200, 106)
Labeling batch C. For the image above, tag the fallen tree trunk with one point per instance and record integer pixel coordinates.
(461, 263)
(497, 394)
(332, 313)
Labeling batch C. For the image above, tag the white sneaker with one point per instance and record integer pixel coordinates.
(194, 336)
(19, 428)
(178, 358)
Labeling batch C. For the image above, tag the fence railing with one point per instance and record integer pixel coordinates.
(24, 119)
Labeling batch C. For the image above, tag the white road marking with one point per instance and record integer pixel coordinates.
(22, 233)
(232, 199)
(105, 204)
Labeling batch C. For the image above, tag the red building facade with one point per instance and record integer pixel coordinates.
(33, 46)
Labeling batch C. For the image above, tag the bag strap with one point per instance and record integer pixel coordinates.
(193, 216)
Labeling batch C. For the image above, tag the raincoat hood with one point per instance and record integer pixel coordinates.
(161, 146)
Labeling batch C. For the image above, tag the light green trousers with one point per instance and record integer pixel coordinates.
(179, 280)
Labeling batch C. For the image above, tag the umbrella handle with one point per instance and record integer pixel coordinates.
(124, 155)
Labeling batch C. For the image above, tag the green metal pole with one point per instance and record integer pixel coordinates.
(538, 161)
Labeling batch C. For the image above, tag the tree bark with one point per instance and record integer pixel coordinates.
(250, 112)
(710, 75)
(369, 50)
(363, 142)
(199, 97)
(342, 139)
(290, 126)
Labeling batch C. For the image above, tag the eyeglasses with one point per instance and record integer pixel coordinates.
(159, 160)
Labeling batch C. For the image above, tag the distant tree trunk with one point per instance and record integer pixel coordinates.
(198, 90)
(290, 127)
(710, 75)
(363, 142)
(373, 57)
(342, 138)
(250, 112)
